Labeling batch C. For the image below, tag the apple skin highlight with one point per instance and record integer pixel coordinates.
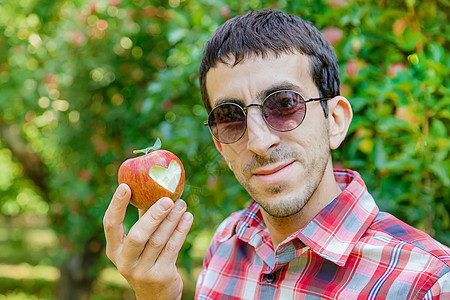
(145, 191)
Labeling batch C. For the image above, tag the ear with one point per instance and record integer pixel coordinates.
(220, 149)
(339, 119)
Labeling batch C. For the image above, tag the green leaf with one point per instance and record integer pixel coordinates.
(391, 123)
(441, 170)
(438, 128)
(156, 146)
(379, 154)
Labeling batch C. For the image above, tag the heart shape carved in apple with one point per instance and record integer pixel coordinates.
(168, 177)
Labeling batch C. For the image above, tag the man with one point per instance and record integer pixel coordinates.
(270, 82)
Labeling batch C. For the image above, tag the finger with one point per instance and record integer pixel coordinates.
(159, 238)
(170, 252)
(114, 216)
(142, 230)
(142, 212)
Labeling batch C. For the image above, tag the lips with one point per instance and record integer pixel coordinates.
(273, 174)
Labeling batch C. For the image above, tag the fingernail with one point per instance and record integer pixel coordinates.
(187, 217)
(121, 191)
(165, 204)
(179, 205)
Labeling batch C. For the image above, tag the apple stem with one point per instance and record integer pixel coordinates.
(156, 146)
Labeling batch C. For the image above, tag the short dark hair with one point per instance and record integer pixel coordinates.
(266, 31)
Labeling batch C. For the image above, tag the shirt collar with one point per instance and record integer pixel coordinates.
(335, 230)
(332, 233)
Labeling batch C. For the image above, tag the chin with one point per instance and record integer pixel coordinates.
(283, 206)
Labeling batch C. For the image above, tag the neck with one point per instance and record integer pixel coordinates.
(282, 228)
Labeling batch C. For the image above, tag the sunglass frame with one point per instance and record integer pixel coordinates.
(260, 106)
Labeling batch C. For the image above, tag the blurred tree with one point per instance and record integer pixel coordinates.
(83, 83)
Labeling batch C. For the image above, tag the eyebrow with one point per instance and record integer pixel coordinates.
(222, 100)
(261, 95)
(279, 86)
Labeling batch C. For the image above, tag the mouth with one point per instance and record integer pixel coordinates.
(273, 174)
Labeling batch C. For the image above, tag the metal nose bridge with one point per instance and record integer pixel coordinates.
(260, 106)
(252, 105)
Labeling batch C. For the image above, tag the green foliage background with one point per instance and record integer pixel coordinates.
(85, 83)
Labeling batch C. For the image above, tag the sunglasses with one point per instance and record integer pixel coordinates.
(282, 110)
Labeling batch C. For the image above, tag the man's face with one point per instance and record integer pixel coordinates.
(280, 170)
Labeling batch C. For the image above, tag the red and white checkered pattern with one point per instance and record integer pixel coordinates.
(349, 250)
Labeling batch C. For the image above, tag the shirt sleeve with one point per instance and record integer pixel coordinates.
(223, 229)
(440, 290)
(199, 285)
(206, 260)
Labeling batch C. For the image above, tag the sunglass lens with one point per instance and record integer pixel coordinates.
(227, 122)
(284, 110)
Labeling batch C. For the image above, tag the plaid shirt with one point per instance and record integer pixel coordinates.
(349, 250)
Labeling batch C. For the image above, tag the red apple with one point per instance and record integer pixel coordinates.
(352, 68)
(225, 12)
(156, 174)
(333, 35)
(394, 68)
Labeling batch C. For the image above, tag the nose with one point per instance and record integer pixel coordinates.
(260, 137)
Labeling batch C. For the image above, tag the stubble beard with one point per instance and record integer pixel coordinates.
(289, 204)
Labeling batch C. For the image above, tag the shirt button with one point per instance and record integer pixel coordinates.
(270, 277)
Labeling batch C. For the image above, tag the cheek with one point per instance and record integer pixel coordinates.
(236, 150)
(232, 155)
(321, 144)
(316, 125)
(312, 135)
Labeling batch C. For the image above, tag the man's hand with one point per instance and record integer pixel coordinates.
(146, 257)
